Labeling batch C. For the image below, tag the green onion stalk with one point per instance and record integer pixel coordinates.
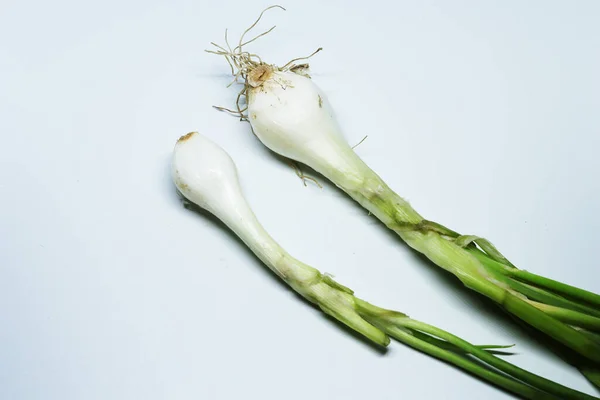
(292, 117)
(206, 177)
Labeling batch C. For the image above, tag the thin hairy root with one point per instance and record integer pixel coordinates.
(241, 94)
(256, 37)
(239, 46)
(227, 40)
(362, 140)
(301, 174)
(285, 67)
(240, 109)
(242, 116)
(242, 63)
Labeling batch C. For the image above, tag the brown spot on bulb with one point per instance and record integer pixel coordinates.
(259, 75)
(185, 137)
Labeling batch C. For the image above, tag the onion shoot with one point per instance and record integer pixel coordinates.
(207, 177)
(292, 117)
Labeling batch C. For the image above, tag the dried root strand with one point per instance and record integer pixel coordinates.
(359, 143)
(242, 63)
(290, 64)
(302, 175)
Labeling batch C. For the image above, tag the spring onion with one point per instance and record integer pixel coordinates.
(207, 177)
(292, 117)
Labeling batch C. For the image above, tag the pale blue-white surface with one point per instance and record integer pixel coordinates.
(483, 114)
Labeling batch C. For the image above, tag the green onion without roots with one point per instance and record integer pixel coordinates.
(207, 177)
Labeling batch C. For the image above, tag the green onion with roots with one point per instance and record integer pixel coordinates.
(292, 117)
(207, 177)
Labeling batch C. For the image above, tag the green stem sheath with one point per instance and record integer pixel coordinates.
(439, 247)
(570, 317)
(555, 286)
(530, 291)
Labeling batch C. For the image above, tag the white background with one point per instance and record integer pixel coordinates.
(483, 114)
